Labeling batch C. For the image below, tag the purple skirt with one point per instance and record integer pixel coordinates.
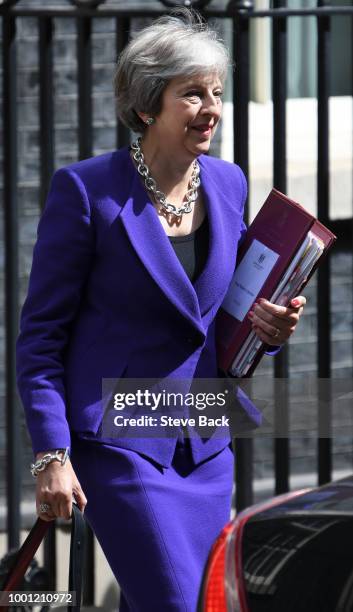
(155, 525)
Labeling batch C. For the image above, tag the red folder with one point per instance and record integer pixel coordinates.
(281, 225)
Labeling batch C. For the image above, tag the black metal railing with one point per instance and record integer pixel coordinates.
(240, 14)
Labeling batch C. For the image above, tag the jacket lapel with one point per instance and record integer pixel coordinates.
(152, 245)
(224, 227)
(213, 281)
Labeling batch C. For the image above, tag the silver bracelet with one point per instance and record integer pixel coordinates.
(42, 463)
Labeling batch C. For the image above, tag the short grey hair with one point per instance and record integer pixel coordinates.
(175, 45)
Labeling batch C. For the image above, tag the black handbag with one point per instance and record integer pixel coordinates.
(30, 546)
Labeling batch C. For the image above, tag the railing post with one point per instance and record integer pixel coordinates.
(239, 10)
(46, 139)
(84, 68)
(122, 38)
(279, 95)
(85, 139)
(46, 105)
(323, 279)
(13, 444)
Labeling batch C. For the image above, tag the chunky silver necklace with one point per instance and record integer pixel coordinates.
(160, 197)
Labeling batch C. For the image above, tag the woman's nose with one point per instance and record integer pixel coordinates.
(212, 105)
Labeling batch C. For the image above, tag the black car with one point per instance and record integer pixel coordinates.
(293, 553)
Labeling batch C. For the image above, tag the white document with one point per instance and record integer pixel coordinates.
(248, 279)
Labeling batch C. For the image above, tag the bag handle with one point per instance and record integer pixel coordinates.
(30, 547)
(78, 532)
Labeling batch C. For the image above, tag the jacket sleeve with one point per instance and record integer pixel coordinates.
(62, 260)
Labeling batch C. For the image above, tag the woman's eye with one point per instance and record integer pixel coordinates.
(199, 94)
(193, 94)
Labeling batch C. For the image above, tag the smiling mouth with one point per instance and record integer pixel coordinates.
(203, 129)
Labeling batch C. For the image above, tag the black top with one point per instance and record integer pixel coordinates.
(192, 250)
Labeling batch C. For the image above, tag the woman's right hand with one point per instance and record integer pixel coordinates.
(56, 486)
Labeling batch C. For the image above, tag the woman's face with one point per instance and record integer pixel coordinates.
(191, 110)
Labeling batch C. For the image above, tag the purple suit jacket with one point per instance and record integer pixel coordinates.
(108, 298)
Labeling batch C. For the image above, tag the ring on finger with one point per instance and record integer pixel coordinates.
(44, 508)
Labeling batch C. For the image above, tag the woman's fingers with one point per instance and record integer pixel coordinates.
(46, 501)
(56, 486)
(80, 497)
(53, 504)
(65, 504)
(277, 327)
(270, 324)
(298, 301)
(272, 313)
(44, 510)
(274, 324)
(274, 339)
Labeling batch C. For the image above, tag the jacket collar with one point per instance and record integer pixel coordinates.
(153, 247)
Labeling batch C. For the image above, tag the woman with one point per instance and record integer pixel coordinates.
(125, 283)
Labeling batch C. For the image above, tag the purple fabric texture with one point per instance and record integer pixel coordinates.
(108, 298)
(156, 525)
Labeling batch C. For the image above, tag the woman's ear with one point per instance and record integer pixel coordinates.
(147, 119)
(143, 116)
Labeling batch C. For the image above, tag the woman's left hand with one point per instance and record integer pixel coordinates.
(275, 324)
